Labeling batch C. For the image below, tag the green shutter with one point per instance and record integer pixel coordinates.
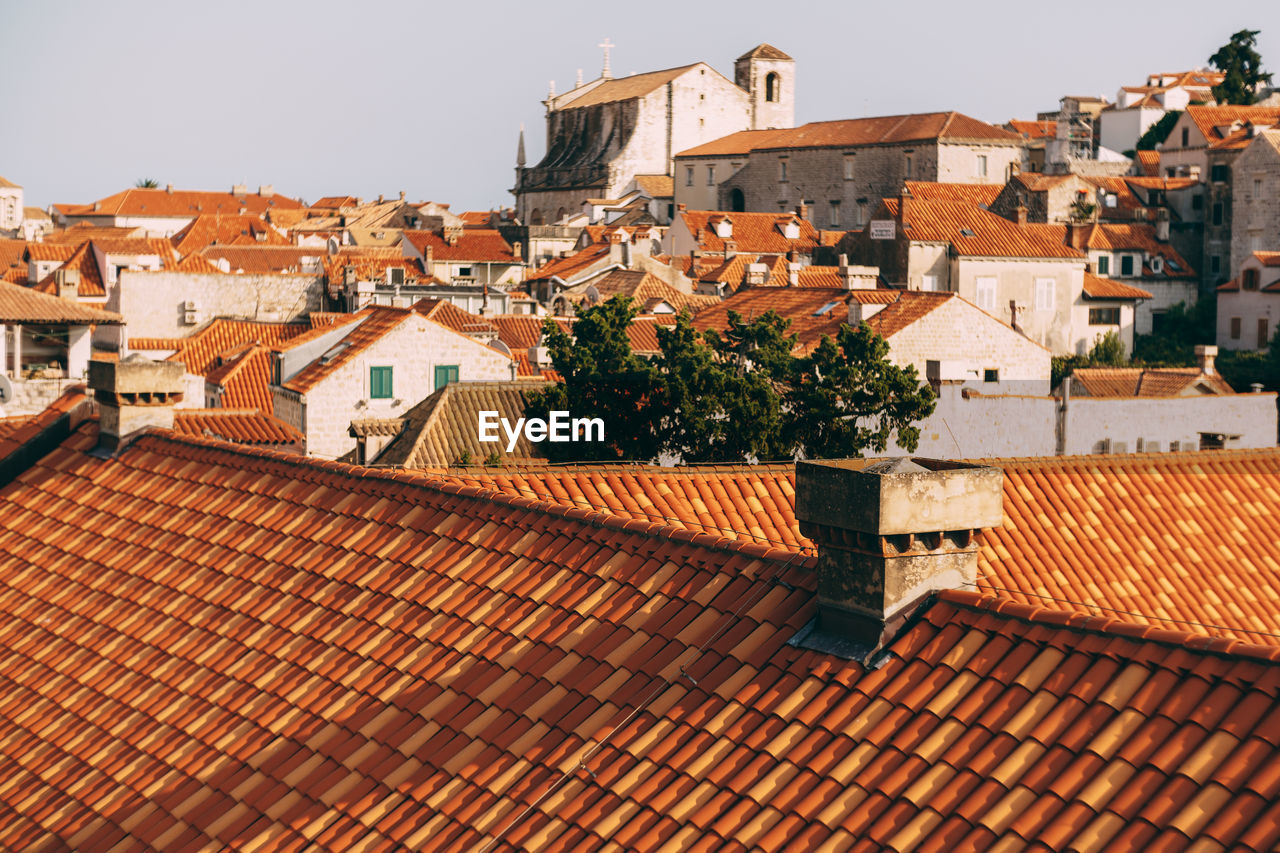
(445, 373)
(380, 383)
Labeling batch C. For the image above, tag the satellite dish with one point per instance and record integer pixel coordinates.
(500, 347)
(332, 245)
(593, 295)
(6, 389)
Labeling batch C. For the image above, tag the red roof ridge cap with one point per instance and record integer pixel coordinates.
(1083, 621)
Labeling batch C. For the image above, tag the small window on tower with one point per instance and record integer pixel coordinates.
(771, 85)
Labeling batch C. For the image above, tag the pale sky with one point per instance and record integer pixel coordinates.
(326, 98)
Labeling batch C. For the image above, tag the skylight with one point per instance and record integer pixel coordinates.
(967, 232)
(825, 308)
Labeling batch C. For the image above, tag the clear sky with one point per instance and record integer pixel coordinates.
(362, 98)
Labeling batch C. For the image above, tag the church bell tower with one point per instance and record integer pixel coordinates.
(769, 77)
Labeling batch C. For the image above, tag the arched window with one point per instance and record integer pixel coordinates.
(771, 87)
(560, 215)
(737, 201)
(535, 218)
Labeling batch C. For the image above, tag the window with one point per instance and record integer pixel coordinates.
(1263, 336)
(380, 384)
(991, 374)
(1104, 316)
(772, 86)
(1249, 280)
(1110, 199)
(1215, 264)
(445, 373)
(986, 287)
(1197, 201)
(908, 166)
(1186, 137)
(711, 176)
(835, 213)
(1126, 265)
(1235, 328)
(464, 272)
(688, 176)
(782, 171)
(848, 167)
(1104, 264)
(929, 282)
(1045, 288)
(982, 165)
(862, 213)
(1257, 188)
(1218, 173)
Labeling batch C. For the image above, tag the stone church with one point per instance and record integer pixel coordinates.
(604, 134)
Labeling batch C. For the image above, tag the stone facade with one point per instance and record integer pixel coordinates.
(173, 304)
(1255, 178)
(1249, 307)
(602, 134)
(843, 185)
(413, 350)
(11, 208)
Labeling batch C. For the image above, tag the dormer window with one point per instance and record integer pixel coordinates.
(724, 228)
(395, 276)
(1249, 280)
(1157, 264)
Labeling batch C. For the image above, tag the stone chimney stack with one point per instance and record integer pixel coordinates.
(1020, 214)
(1205, 354)
(1162, 225)
(133, 395)
(857, 277)
(889, 533)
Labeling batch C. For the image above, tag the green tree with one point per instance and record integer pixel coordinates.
(849, 397)
(1181, 328)
(1158, 132)
(718, 406)
(1240, 61)
(1107, 351)
(604, 379)
(147, 183)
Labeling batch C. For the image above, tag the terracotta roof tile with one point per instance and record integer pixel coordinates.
(758, 233)
(1146, 381)
(471, 244)
(976, 232)
(583, 262)
(375, 322)
(879, 130)
(656, 186)
(83, 261)
(242, 426)
(24, 305)
(643, 287)
(1149, 162)
(1212, 121)
(1097, 287)
(1034, 129)
(620, 89)
(265, 259)
(202, 350)
(179, 203)
(443, 428)
(224, 230)
(980, 194)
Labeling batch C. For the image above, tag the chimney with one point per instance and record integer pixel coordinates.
(1076, 235)
(1020, 214)
(802, 210)
(618, 247)
(169, 189)
(402, 195)
(68, 281)
(681, 208)
(1162, 225)
(857, 277)
(133, 395)
(859, 312)
(888, 534)
(757, 274)
(1205, 354)
(239, 189)
(517, 249)
(265, 190)
(793, 275)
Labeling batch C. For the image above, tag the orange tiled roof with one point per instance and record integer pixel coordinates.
(521, 331)
(976, 232)
(1097, 287)
(236, 646)
(50, 251)
(333, 202)
(200, 351)
(1149, 161)
(241, 426)
(136, 201)
(22, 305)
(373, 265)
(1034, 129)
(642, 287)
(1166, 539)
(376, 323)
(15, 275)
(1145, 381)
(441, 430)
(586, 260)
(244, 375)
(813, 311)
(759, 233)
(472, 244)
(12, 252)
(656, 186)
(197, 264)
(447, 314)
(1137, 237)
(226, 230)
(621, 89)
(879, 130)
(83, 231)
(264, 259)
(980, 194)
(1212, 121)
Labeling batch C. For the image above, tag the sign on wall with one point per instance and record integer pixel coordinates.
(882, 229)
